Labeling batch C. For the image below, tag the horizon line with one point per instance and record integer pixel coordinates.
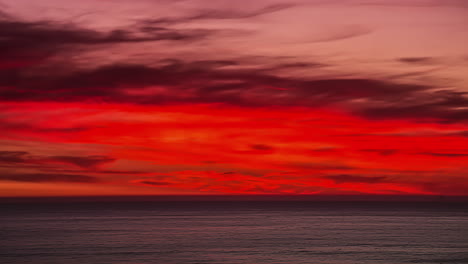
(240, 197)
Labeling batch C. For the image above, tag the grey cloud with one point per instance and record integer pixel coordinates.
(28, 43)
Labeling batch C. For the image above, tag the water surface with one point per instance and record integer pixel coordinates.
(270, 232)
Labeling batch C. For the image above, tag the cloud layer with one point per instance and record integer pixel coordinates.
(219, 97)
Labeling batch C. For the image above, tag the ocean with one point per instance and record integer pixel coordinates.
(250, 232)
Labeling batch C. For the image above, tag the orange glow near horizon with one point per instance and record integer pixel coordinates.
(218, 149)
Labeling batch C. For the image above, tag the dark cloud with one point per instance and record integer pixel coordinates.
(154, 183)
(261, 147)
(28, 43)
(99, 171)
(13, 156)
(459, 134)
(341, 89)
(40, 177)
(209, 82)
(14, 126)
(383, 152)
(55, 33)
(423, 112)
(84, 162)
(344, 178)
(201, 81)
(316, 166)
(417, 60)
(448, 155)
(297, 65)
(326, 150)
(454, 187)
(445, 106)
(129, 172)
(25, 158)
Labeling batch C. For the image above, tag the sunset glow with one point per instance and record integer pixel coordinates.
(224, 97)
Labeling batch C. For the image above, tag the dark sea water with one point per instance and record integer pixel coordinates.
(290, 232)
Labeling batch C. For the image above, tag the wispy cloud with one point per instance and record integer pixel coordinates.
(220, 14)
(344, 178)
(44, 178)
(207, 82)
(24, 157)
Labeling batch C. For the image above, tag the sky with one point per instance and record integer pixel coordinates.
(183, 97)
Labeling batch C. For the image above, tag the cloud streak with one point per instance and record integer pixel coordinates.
(219, 14)
(23, 157)
(207, 82)
(48, 178)
(28, 43)
(343, 178)
(175, 81)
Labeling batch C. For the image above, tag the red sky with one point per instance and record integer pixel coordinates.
(215, 97)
